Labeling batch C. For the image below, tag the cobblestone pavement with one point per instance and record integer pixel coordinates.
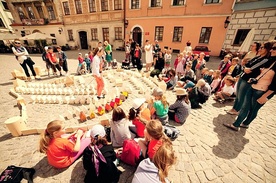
(206, 150)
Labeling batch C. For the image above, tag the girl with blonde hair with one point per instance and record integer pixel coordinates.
(157, 169)
(160, 106)
(62, 151)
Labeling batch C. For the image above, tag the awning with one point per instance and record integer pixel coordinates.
(7, 36)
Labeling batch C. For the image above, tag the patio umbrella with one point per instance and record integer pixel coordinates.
(248, 41)
(36, 36)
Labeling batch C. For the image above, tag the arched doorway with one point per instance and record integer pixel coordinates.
(137, 35)
(83, 40)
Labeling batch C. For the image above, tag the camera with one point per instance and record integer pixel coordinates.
(252, 81)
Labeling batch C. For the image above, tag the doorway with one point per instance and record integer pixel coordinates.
(137, 35)
(83, 40)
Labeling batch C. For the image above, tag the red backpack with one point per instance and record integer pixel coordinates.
(131, 152)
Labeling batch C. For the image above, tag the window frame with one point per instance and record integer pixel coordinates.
(2, 23)
(212, 2)
(51, 12)
(104, 3)
(118, 31)
(94, 34)
(39, 9)
(159, 33)
(176, 32)
(204, 35)
(70, 35)
(30, 12)
(78, 6)
(177, 2)
(5, 5)
(105, 31)
(241, 37)
(155, 3)
(66, 8)
(135, 5)
(117, 4)
(92, 6)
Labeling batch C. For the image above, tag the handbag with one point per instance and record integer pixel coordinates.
(14, 174)
(255, 80)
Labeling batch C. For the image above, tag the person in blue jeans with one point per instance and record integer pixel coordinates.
(251, 70)
(258, 94)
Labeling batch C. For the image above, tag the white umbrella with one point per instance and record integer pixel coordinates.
(8, 36)
(248, 41)
(36, 36)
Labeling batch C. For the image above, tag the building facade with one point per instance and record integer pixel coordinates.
(32, 16)
(6, 20)
(248, 14)
(87, 22)
(174, 22)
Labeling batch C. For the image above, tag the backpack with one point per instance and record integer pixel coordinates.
(131, 152)
(171, 131)
(14, 174)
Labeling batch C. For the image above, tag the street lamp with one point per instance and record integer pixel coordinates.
(226, 22)
(60, 30)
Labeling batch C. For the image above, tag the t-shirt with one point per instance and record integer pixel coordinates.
(153, 147)
(140, 127)
(160, 109)
(228, 89)
(145, 113)
(60, 152)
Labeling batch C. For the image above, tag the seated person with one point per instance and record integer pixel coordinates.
(227, 90)
(189, 74)
(204, 90)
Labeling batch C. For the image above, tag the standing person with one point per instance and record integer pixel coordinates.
(62, 151)
(46, 60)
(98, 159)
(156, 51)
(168, 58)
(137, 57)
(96, 71)
(251, 70)
(87, 61)
(200, 64)
(188, 47)
(159, 65)
(22, 56)
(119, 128)
(157, 169)
(127, 51)
(108, 51)
(54, 61)
(180, 110)
(132, 49)
(149, 56)
(262, 89)
(62, 59)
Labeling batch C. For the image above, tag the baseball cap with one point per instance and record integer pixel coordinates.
(138, 102)
(189, 84)
(157, 92)
(97, 130)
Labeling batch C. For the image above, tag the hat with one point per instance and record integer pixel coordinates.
(190, 84)
(97, 130)
(200, 83)
(80, 53)
(157, 92)
(138, 102)
(180, 92)
(46, 48)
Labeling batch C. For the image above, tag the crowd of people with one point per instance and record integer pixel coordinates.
(250, 81)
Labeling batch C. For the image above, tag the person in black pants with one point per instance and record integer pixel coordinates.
(22, 56)
(137, 57)
(132, 49)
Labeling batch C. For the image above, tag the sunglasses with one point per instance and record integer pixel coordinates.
(17, 43)
(261, 47)
(273, 48)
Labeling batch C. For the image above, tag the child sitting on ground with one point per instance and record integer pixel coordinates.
(227, 90)
(98, 158)
(139, 114)
(160, 106)
(119, 128)
(208, 76)
(216, 81)
(62, 150)
(188, 74)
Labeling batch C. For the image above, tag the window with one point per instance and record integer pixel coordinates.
(104, 5)
(78, 6)
(2, 23)
(94, 34)
(105, 34)
(54, 41)
(51, 12)
(178, 2)
(205, 35)
(159, 33)
(135, 4)
(70, 35)
(240, 36)
(211, 1)
(40, 11)
(66, 8)
(155, 3)
(5, 5)
(30, 12)
(21, 13)
(177, 34)
(92, 6)
(117, 4)
(118, 33)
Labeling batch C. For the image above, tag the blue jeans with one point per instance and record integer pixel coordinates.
(242, 88)
(249, 108)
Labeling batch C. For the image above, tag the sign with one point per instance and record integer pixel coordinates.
(146, 33)
(33, 21)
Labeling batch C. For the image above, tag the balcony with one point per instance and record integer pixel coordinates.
(41, 21)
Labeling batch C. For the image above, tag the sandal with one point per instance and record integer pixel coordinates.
(232, 112)
(231, 126)
(244, 126)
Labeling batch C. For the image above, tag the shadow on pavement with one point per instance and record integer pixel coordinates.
(231, 143)
(7, 83)
(78, 173)
(6, 137)
(44, 170)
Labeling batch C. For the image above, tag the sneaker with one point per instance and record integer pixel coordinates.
(244, 126)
